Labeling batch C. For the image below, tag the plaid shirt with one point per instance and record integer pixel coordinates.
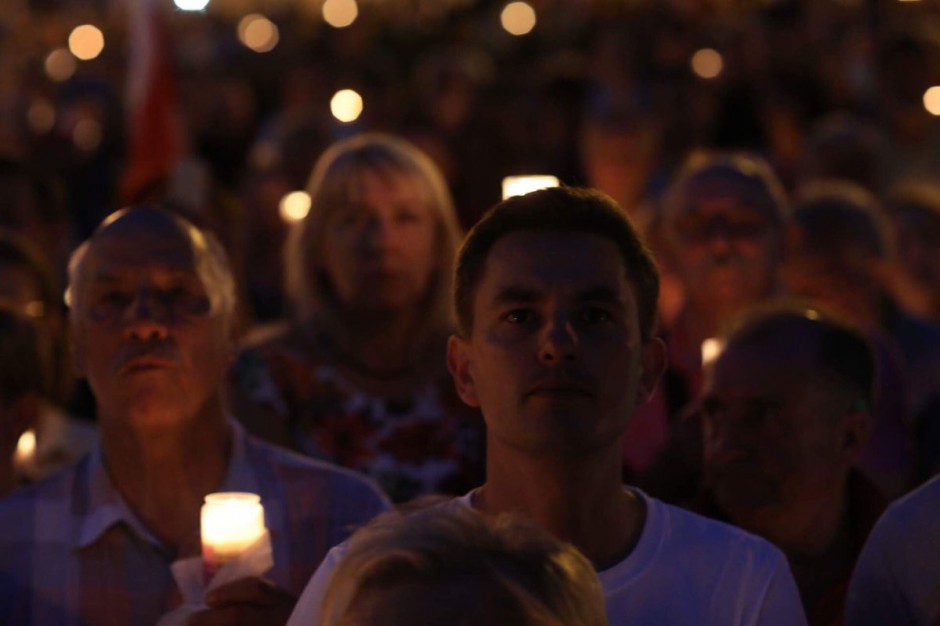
(73, 553)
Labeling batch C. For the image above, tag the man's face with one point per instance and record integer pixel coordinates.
(379, 249)
(726, 245)
(555, 360)
(145, 335)
(773, 434)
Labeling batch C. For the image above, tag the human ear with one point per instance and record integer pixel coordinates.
(458, 362)
(652, 366)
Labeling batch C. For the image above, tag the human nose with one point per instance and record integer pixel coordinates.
(559, 341)
(378, 233)
(146, 317)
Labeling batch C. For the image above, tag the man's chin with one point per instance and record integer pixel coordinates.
(742, 490)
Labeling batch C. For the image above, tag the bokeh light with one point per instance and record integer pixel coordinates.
(707, 63)
(258, 33)
(60, 65)
(340, 13)
(932, 100)
(86, 42)
(191, 5)
(295, 206)
(518, 18)
(40, 116)
(87, 135)
(346, 105)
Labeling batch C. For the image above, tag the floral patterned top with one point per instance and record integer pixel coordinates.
(430, 443)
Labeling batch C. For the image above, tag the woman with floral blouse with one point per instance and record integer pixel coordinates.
(358, 377)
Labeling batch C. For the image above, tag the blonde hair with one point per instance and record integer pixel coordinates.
(546, 580)
(336, 174)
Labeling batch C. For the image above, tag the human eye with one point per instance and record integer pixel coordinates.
(518, 316)
(745, 226)
(186, 298)
(112, 297)
(348, 217)
(595, 315)
(107, 303)
(407, 216)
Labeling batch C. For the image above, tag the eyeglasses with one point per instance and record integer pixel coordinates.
(693, 228)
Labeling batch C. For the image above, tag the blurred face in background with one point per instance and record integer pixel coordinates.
(918, 246)
(843, 286)
(726, 243)
(379, 246)
(773, 435)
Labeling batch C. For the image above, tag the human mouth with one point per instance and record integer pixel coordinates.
(560, 389)
(145, 364)
(137, 361)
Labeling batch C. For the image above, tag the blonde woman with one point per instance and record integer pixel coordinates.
(358, 376)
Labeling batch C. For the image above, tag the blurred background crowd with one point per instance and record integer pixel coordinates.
(766, 147)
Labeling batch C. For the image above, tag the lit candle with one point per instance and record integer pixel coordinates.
(520, 185)
(231, 521)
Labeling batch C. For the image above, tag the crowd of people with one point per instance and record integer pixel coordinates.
(697, 383)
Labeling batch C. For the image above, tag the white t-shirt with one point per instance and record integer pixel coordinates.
(897, 578)
(685, 569)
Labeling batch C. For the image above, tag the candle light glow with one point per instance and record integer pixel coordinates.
(230, 522)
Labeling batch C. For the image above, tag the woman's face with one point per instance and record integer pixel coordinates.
(379, 247)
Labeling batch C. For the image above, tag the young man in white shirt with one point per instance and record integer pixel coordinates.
(556, 301)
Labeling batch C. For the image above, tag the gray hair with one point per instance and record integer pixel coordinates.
(211, 261)
(737, 165)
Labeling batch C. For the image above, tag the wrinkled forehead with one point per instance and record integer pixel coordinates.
(136, 240)
(726, 190)
(145, 238)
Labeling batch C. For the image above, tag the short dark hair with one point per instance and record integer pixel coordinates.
(840, 352)
(837, 219)
(565, 210)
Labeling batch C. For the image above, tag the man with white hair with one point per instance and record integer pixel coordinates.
(152, 308)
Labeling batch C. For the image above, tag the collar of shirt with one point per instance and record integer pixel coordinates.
(106, 508)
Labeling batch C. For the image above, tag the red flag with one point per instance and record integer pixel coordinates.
(154, 129)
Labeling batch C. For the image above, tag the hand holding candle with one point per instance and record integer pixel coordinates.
(231, 522)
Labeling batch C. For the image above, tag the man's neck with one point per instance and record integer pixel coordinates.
(163, 473)
(804, 531)
(581, 501)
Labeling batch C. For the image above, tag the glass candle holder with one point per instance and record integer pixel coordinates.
(230, 522)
